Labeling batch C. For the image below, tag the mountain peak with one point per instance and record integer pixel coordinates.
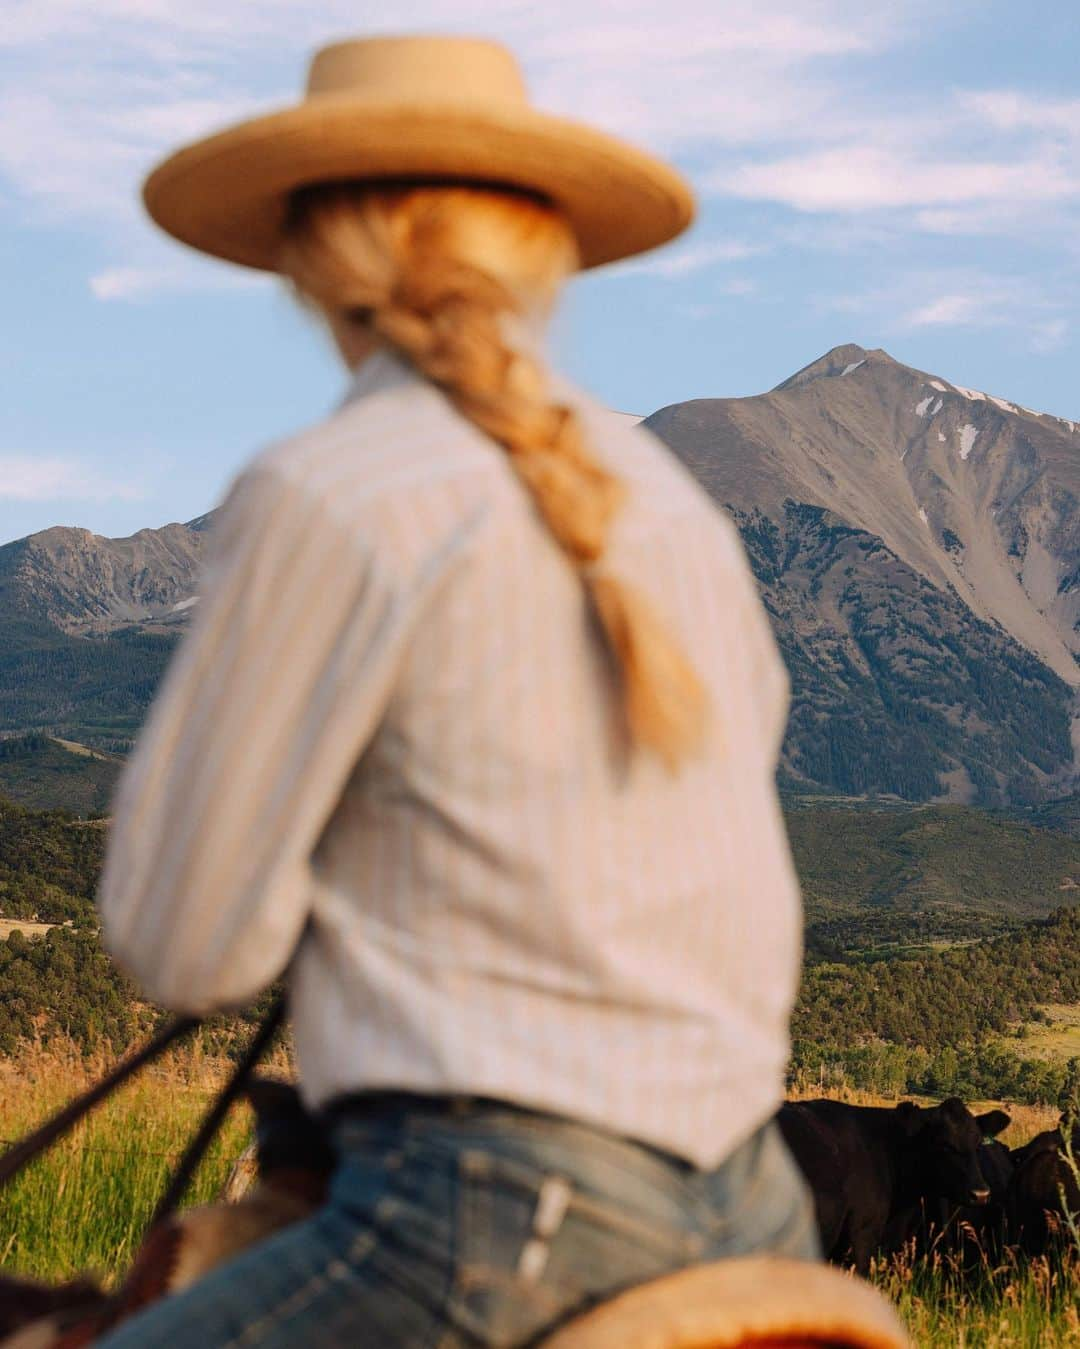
(840, 361)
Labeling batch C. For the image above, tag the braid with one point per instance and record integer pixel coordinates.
(445, 317)
(452, 334)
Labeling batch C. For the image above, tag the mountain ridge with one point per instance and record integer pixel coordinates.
(917, 544)
(944, 487)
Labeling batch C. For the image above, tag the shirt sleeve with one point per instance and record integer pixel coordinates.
(261, 717)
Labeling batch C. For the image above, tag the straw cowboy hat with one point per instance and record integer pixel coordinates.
(413, 108)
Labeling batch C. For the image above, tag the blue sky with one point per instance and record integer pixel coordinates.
(899, 174)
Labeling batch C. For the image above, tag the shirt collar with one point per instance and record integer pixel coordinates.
(385, 369)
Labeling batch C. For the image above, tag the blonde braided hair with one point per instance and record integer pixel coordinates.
(433, 271)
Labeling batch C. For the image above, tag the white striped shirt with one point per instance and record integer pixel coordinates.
(390, 735)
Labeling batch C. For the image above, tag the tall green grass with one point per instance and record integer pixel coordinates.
(84, 1205)
(1009, 1304)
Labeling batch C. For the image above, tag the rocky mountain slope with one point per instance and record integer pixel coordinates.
(969, 490)
(83, 584)
(87, 625)
(917, 545)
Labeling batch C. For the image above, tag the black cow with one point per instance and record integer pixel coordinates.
(872, 1168)
(974, 1232)
(1043, 1187)
(983, 1230)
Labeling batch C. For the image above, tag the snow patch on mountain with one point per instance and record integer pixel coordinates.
(967, 439)
(1017, 409)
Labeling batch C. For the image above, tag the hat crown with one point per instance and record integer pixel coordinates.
(422, 69)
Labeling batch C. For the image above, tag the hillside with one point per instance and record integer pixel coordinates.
(876, 879)
(928, 1020)
(49, 865)
(918, 545)
(93, 689)
(934, 874)
(46, 774)
(1063, 813)
(945, 1022)
(87, 625)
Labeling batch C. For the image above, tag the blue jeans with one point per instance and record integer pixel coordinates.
(485, 1227)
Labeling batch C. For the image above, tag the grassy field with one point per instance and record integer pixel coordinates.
(84, 1205)
(1013, 1305)
(1059, 1039)
(10, 925)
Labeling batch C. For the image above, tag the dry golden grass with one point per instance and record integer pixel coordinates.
(1060, 1040)
(84, 1204)
(1027, 1120)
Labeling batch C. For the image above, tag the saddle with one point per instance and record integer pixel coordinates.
(753, 1303)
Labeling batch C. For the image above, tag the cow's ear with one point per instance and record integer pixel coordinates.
(909, 1117)
(993, 1123)
(954, 1108)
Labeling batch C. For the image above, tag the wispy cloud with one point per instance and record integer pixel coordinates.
(27, 478)
(139, 283)
(127, 283)
(1050, 335)
(865, 178)
(682, 261)
(984, 162)
(1011, 110)
(963, 299)
(981, 301)
(948, 311)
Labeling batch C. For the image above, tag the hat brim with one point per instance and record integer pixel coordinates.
(227, 195)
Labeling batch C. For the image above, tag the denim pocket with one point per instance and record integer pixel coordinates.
(533, 1246)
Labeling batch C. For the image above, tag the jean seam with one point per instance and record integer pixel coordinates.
(334, 1270)
(473, 1219)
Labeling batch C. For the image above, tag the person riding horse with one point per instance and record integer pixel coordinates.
(473, 737)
